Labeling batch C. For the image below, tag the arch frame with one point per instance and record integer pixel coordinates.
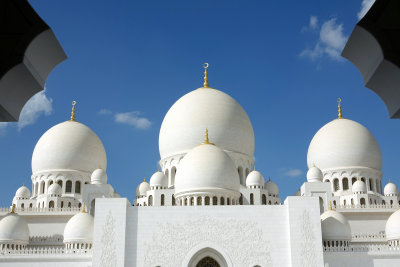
(207, 249)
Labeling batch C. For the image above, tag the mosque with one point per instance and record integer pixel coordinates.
(207, 205)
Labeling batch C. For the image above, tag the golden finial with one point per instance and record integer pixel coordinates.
(83, 208)
(205, 66)
(339, 100)
(73, 111)
(254, 167)
(269, 178)
(206, 140)
(13, 209)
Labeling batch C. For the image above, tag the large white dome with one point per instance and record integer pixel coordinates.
(184, 124)
(79, 228)
(344, 143)
(14, 230)
(69, 145)
(335, 226)
(392, 228)
(206, 168)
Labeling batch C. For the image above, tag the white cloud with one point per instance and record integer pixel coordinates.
(312, 25)
(331, 42)
(133, 118)
(3, 126)
(39, 104)
(365, 6)
(105, 111)
(293, 172)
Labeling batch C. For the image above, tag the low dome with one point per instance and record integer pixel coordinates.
(142, 189)
(14, 230)
(158, 179)
(23, 192)
(54, 189)
(79, 229)
(69, 145)
(271, 187)
(390, 190)
(359, 187)
(185, 121)
(206, 168)
(392, 228)
(344, 143)
(335, 226)
(314, 174)
(255, 178)
(99, 176)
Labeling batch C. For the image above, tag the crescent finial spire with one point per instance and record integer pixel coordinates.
(73, 111)
(205, 66)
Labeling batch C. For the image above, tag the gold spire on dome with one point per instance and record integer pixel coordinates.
(13, 209)
(144, 179)
(73, 111)
(83, 208)
(339, 100)
(206, 140)
(205, 66)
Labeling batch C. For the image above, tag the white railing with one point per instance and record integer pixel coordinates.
(367, 206)
(368, 237)
(37, 240)
(44, 250)
(365, 248)
(40, 210)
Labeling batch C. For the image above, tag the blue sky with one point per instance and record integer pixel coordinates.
(129, 61)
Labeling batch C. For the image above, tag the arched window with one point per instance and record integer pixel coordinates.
(215, 201)
(383, 202)
(173, 201)
(362, 201)
(42, 187)
(344, 202)
(264, 199)
(352, 201)
(336, 184)
(391, 202)
(68, 187)
(69, 204)
(150, 200)
(363, 179)
(207, 200)
(241, 199)
(78, 187)
(59, 182)
(370, 184)
(240, 172)
(228, 201)
(22, 206)
(353, 180)
(222, 201)
(30, 205)
(199, 201)
(326, 180)
(269, 202)
(251, 199)
(345, 182)
(207, 262)
(334, 203)
(80, 205)
(173, 173)
(62, 204)
(51, 204)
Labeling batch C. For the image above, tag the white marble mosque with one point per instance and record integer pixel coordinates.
(207, 205)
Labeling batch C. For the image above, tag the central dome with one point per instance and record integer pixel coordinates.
(69, 145)
(186, 120)
(344, 143)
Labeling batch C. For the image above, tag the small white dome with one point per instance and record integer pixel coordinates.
(79, 229)
(158, 179)
(344, 143)
(142, 189)
(99, 176)
(392, 228)
(206, 168)
(335, 226)
(14, 230)
(23, 192)
(255, 178)
(359, 187)
(390, 189)
(69, 145)
(314, 174)
(54, 189)
(271, 187)
(185, 121)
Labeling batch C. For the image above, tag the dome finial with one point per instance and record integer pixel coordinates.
(13, 209)
(205, 66)
(144, 179)
(206, 140)
(73, 111)
(339, 100)
(83, 208)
